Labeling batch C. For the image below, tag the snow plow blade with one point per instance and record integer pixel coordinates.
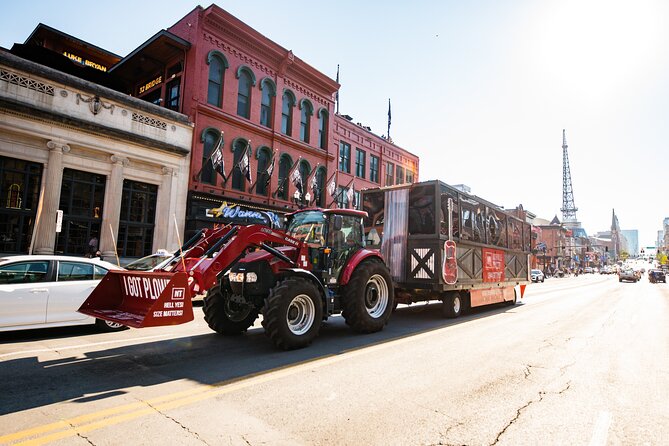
(141, 299)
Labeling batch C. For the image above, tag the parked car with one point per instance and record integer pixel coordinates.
(40, 291)
(150, 262)
(627, 274)
(656, 275)
(536, 275)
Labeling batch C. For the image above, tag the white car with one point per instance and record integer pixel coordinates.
(42, 291)
(537, 275)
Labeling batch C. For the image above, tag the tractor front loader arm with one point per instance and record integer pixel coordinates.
(155, 298)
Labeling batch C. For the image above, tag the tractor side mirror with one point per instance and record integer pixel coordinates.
(337, 223)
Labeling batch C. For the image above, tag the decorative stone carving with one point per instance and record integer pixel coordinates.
(117, 159)
(168, 171)
(58, 146)
(63, 93)
(95, 105)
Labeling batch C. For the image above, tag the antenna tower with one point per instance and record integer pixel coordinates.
(568, 207)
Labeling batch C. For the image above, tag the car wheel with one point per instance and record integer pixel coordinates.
(108, 326)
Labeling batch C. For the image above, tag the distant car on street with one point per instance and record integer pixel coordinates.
(656, 275)
(588, 270)
(536, 275)
(40, 291)
(627, 274)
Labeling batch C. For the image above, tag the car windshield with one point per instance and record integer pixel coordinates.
(146, 263)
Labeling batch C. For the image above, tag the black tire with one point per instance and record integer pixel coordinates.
(452, 305)
(107, 326)
(293, 313)
(542, 280)
(369, 297)
(226, 317)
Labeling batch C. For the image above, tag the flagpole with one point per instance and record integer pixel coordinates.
(337, 95)
(388, 119)
(216, 147)
(310, 177)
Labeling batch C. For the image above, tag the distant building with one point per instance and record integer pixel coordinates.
(632, 238)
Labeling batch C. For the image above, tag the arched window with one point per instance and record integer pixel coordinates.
(323, 128)
(287, 104)
(217, 65)
(268, 93)
(265, 171)
(305, 120)
(285, 163)
(209, 138)
(246, 81)
(239, 148)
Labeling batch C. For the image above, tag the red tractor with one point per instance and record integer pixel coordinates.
(318, 267)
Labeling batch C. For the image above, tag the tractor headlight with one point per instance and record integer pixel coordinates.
(236, 277)
(251, 277)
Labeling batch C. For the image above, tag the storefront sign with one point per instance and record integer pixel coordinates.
(59, 220)
(149, 85)
(83, 61)
(235, 212)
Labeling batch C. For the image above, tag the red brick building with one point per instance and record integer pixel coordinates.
(250, 96)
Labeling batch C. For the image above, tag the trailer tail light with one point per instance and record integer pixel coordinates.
(141, 299)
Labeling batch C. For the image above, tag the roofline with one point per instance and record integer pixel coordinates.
(149, 41)
(64, 34)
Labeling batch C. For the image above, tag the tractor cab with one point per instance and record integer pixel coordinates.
(332, 235)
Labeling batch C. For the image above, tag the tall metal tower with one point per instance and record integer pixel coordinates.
(568, 207)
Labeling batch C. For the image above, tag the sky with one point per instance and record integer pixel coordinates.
(480, 90)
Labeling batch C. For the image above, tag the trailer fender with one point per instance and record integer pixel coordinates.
(357, 259)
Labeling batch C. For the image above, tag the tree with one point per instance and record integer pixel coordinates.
(624, 255)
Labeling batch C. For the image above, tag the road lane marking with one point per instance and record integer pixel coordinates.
(109, 417)
(601, 432)
(92, 344)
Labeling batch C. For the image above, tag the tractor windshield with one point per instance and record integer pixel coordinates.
(308, 227)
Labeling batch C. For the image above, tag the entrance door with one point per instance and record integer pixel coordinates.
(81, 198)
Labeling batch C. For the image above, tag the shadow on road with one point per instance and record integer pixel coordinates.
(26, 383)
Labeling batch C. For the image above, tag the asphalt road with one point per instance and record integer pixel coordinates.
(582, 360)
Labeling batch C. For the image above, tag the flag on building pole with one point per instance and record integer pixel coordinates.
(296, 178)
(350, 195)
(332, 186)
(245, 163)
(389, 118)
(269, 171)
(217, 161)
(314, 186)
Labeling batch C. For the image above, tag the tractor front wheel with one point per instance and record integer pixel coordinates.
(293, 313)
(369, 298)
(225, 316)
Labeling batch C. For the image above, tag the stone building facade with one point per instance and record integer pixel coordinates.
(83, 165)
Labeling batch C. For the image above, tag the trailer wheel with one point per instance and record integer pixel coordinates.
(224, 316)
(369, 298)
(452, 306)
(293, 313)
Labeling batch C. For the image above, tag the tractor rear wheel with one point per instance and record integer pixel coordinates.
(293, 313)
(369, 298)
(225, 316)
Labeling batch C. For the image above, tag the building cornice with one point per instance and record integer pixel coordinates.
(28, 112)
